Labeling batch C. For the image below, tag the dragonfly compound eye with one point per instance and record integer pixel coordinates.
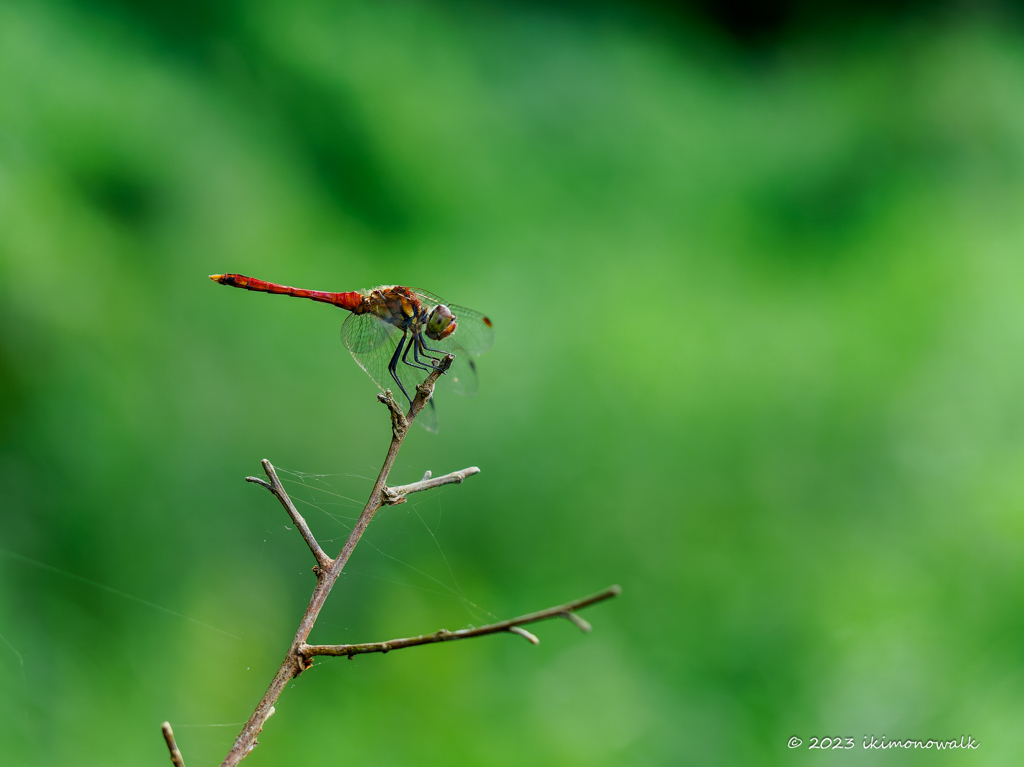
(441, 323)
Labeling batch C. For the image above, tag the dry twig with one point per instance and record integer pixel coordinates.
(176, 759)
(396, 495)
(300, 655)
(323, 561)
(513, 625)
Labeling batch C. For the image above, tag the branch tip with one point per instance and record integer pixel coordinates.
(261, 482)
(531, 638)
(176, 759)
(580, 623)
(323, 561)
(425, 390)
(396, 495)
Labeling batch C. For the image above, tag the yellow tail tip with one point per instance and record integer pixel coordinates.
(216, 277)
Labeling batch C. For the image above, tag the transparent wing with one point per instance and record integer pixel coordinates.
(428, 417)
(461, 377)
(372, 343)
(474, 333)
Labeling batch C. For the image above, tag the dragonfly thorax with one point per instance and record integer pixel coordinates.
(406, 310)
(397, 306)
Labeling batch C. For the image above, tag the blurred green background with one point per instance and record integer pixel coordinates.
(757, 293)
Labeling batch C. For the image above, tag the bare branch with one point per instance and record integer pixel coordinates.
(176, 759)
(395, 495)
(294, 662)
(299, 656)
(309, 651)
(323, 561)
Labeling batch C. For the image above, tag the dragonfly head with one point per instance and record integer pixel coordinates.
(441, 323)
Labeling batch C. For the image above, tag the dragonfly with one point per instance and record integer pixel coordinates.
(399, 334)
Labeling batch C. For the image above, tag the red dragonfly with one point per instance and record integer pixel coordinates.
(401, 333)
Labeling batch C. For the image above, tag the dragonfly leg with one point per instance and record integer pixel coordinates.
(417, 347)
(393, 365)
(415, 362)
(424, 348)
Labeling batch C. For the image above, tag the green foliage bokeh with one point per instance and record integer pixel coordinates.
(759, 324)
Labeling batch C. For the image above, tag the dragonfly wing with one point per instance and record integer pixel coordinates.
(474, 333)
(372, 343)
(461, 377)
(428, 417)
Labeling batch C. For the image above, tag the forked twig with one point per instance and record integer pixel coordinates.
(293, 663)
(395, 495)
(322, 560)
(300, 655)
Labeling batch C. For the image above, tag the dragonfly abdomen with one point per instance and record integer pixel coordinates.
(352, 301)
